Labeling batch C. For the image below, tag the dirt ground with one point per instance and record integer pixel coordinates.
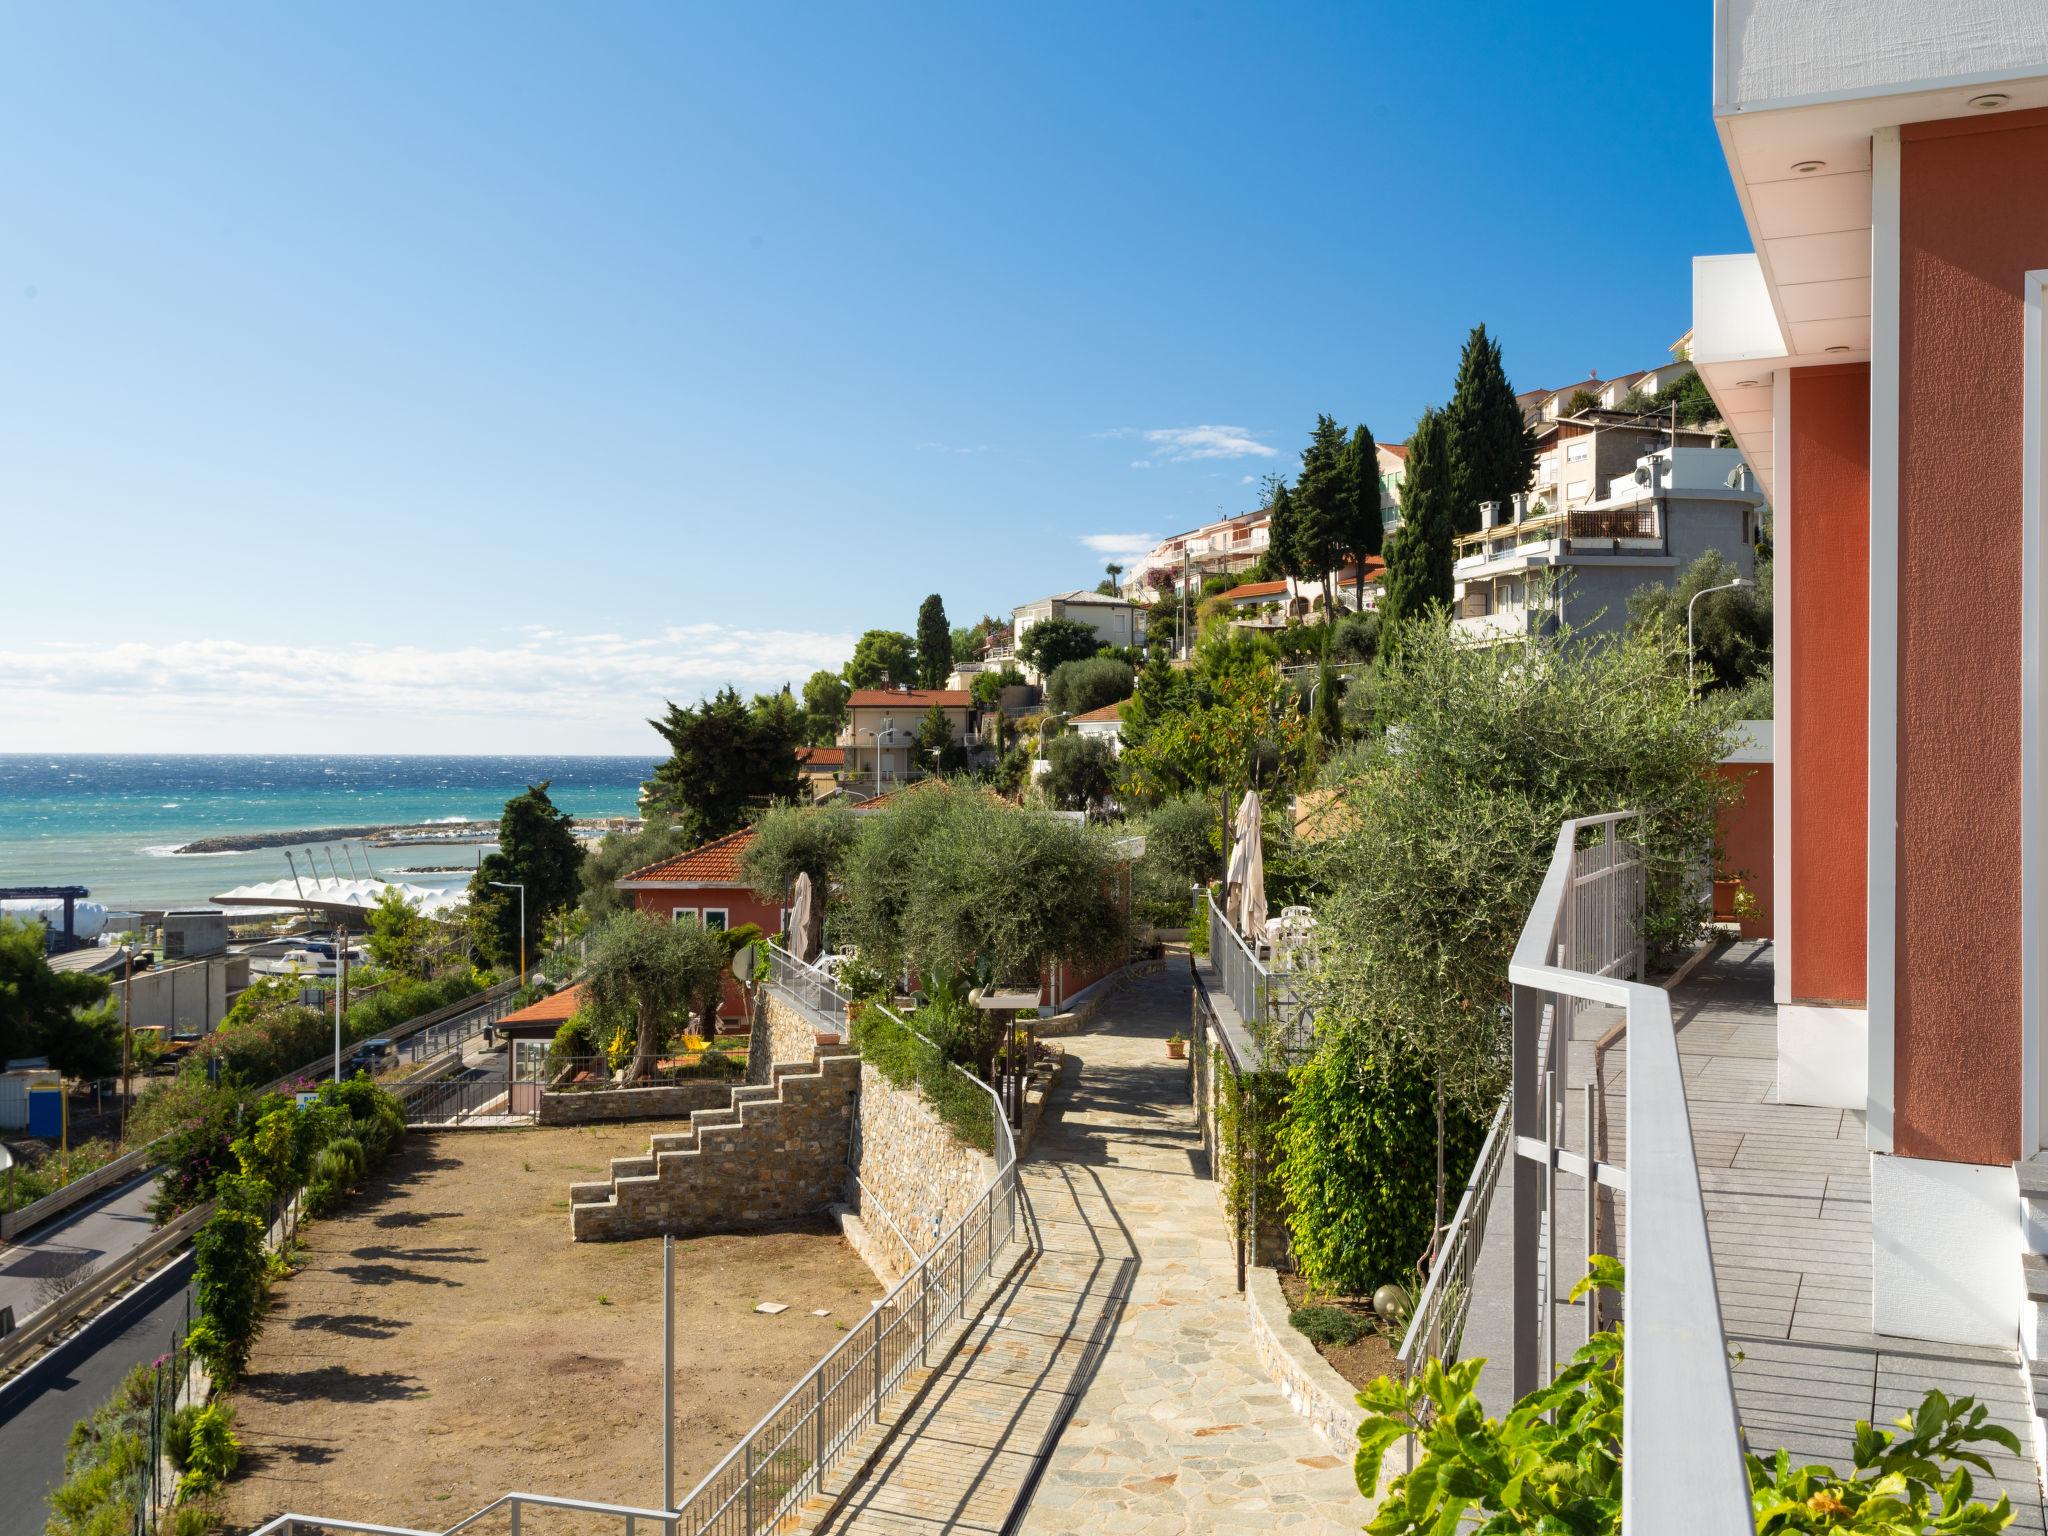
(1360, 1361)
(445, 1342)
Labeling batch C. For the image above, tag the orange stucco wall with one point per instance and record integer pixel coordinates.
(1826, 751)
(1747, 854)
(1971, 225)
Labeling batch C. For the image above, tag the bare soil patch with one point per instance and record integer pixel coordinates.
(1366, 1358)
(445, 1342)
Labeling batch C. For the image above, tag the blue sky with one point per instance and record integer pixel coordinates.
(439, 377)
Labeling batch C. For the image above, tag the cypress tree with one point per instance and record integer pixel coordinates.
(1419, 559)
(1492, 450)
(1281, 531)
(1322, 503)
(934, 643)
(1362, 532)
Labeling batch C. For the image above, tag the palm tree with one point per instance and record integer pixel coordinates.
(1115, 571)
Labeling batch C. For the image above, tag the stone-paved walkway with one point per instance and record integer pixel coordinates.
(1110, 1379)
(1174, 1426)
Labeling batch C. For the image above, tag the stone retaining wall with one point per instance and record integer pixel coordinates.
(776, 1152)
(670, 1101)
(1323, 1399)
(792, 1035)
(913, 1167)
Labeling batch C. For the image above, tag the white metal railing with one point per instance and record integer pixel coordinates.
(1436, 1325)
(1682, 1466)
(1267, 1001)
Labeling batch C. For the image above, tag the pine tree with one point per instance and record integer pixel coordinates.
(537, 849)
(1419, 558)
(1322, 504)
(1492, 450)
(934, 643)
(1362, 532)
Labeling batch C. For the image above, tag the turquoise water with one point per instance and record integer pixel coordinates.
(109, 822)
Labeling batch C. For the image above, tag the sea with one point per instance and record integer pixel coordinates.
(113, 823)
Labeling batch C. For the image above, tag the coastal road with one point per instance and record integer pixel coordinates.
(38, 1409)
(91, 1233)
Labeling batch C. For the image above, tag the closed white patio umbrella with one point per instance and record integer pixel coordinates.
(1248, 869)
(806, 920)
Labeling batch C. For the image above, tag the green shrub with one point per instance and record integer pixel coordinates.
(228, 1279)
(212, 1450)
(1555, 1462)
(1358, 1167)
(106, 1464)
(1333, 1326)
(336, 1170)
(892, 1050)
(178, 1436)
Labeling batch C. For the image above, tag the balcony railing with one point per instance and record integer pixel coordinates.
(1268, 1001)
(1612, 524)
(1682, 1466)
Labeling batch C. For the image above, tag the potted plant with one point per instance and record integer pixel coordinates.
(1177, 1046)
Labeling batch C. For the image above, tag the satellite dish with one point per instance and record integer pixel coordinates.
(744, 960)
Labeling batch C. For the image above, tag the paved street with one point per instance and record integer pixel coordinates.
(111, 1224)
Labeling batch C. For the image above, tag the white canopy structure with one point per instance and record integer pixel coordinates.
(338, 898)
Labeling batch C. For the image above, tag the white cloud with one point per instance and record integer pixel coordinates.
(1178, 445)
(1246, 479)
(1121, 546)
(952, 448)
(1141, 463)
(544, 691)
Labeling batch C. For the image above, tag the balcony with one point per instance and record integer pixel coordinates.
(1745, 1223)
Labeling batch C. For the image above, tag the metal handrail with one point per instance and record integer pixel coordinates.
(1436, 1324)
(1261, 997)
(768, 1486)
(1582, 943)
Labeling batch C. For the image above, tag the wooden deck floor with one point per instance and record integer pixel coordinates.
(1787, 1191)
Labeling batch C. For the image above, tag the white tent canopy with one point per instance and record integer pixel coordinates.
(339, 898)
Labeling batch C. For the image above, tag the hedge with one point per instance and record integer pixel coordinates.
(1358, 1165)
(901, 1057)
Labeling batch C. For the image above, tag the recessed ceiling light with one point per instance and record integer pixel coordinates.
(1990, 102)
(1835, 349)
(1747, 383)
(1808, 167)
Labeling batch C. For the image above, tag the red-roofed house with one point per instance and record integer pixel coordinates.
(821, 767)
(1106, 723)
(880, 738)
(705, 886)
(1256, 594)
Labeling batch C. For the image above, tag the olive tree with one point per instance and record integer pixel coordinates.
(1452, 811)
(657, 974)
(794, 840)
(960, 884)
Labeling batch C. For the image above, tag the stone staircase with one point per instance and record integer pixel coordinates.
(774, 1151)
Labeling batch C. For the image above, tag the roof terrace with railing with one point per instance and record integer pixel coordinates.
(1745, 1223)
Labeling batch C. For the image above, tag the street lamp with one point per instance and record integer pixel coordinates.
(514, 885)
(1726, 586)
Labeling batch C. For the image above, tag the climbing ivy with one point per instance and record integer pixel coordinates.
(1249, 1109)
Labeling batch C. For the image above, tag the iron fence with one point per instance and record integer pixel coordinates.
(452, 1100)
(173, 1383)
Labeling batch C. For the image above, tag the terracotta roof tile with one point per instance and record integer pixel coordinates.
(822, 757)
(1107, 713)
(1252, 590)
(716, 862)
(550, 1009)
(915, 698)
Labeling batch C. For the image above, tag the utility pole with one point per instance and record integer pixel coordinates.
(668, 1371)
(127, 1028)
(340, 950)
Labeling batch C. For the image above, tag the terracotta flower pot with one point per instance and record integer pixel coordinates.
(1177, 1049)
